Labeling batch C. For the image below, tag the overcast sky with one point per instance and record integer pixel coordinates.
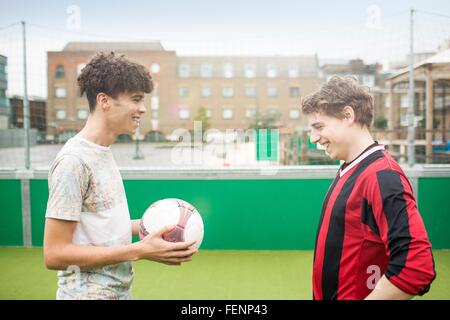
(372, 30)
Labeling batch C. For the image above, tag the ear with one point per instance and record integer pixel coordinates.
(348, 114)
(103, 101)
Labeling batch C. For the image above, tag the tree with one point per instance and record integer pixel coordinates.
(203, 118)
(436, 123)
(380, 122)
(265, 121)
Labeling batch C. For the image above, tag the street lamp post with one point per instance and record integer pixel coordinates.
(137, 152)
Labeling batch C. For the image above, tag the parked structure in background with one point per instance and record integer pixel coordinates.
(37, 114)
(431, 109)
(4, 103)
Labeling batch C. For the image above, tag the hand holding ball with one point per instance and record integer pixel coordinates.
(189, 223)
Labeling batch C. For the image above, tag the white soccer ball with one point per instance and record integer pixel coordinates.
(189, 223)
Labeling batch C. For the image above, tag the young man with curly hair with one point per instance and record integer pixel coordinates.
(371, 241)
(88, 230)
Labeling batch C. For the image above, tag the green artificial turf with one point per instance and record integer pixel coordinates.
(213, 274)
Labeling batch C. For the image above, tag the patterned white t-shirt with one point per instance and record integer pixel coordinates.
(85, 185)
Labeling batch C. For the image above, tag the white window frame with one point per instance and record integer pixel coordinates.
(184, 70)
(227, 92)
(208, 91)
(293, 71)
(290, 95)
(246, 93)
(206, 70)
(183, 91)
(184, 114)
(228, 70)
(404, 101)
(249, 70)
(227, 113)
(60, 92)
(271, 70)
(294, 114)
(60, 68)
(60, 114)
(82, 111)
(387, 101)
(250, 113)
(403, 119)
(271, 90)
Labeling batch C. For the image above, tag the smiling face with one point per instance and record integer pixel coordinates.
(332, 133)
(125, 112)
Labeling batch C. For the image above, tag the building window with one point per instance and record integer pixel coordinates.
(387, 101)
(250, 91)
(184, 114)
(294, 92)
(250, 113)
(83, 114)
(293, 71)
(184, 70)
(271, 71)
(60, 92)
(228, 70)
(227, 92)
(208, 113)
(271, 92)
(227, 113)
(80, 68)
(183, 92)
(155, 68)
(249, 70)
(206, 70)
(206, 92)
(60, 114)
(403, 120)
(60, 73)
(404, 101)
(294, 114)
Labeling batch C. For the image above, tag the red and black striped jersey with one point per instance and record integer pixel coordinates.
(370, 226)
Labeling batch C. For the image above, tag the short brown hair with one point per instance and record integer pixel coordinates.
(337, 93)
(112, 74)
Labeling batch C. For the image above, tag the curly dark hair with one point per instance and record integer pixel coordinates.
(337, 93)
(112, 74)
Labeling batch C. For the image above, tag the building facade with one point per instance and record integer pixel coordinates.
(37, 114)
(4, 103)
(233, 90)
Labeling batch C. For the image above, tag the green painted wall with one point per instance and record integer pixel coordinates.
(10, 213)
(38, 203)
(243, 214)
(238, 214)
(434, 206)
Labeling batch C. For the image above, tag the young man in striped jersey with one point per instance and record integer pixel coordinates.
(371, 241)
